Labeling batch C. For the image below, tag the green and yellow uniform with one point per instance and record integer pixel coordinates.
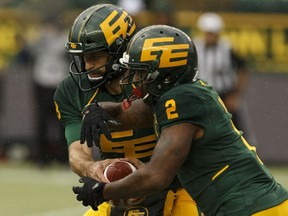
(222, 172)
(70, 101)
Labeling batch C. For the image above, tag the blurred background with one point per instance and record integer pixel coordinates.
(33, 152)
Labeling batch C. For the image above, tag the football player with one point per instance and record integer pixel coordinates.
(196, 138)
(97, 39)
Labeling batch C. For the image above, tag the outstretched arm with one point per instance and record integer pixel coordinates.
(170, 153)
(168, 156)
(80, 158)
(82, 162)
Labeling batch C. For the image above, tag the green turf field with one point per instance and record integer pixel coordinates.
(27, 190)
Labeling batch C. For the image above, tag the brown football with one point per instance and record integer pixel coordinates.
(118, 170)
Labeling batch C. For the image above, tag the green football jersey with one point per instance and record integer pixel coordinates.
(222, 172)
(70, 101)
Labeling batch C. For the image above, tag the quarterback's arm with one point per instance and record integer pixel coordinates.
(168, 156)
(138, 115)
(80, 158)
(82, 162)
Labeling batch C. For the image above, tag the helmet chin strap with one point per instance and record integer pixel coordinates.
(135, 94)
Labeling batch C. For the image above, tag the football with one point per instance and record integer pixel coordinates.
(118, 170)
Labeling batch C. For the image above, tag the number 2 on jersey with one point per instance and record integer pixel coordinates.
(171, 109)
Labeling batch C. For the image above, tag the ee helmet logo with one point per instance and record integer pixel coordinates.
(173, 55)
(114, 29)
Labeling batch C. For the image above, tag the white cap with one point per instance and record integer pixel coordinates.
(132, 6)
(210, 22)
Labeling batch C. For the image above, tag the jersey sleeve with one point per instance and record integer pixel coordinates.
(69, 115)
(179, 108)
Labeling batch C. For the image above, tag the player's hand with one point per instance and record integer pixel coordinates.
(94, 122)
(96, 169)
(91, 193)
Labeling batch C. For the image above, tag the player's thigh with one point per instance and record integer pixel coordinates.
(103, 210)
(279, 210)
(180, 204)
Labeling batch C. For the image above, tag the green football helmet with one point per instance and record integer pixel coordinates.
(158, 58)
(102, 27)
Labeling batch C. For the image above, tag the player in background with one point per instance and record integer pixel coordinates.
(97, 39)
(220, 65)
(196, 138)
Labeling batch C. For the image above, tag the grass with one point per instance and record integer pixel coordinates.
(28, 190)
(281, 174)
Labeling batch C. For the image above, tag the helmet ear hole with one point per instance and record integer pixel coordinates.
(168, 79)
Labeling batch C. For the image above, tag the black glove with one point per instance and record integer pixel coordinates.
(91, 193)
(94, 121)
